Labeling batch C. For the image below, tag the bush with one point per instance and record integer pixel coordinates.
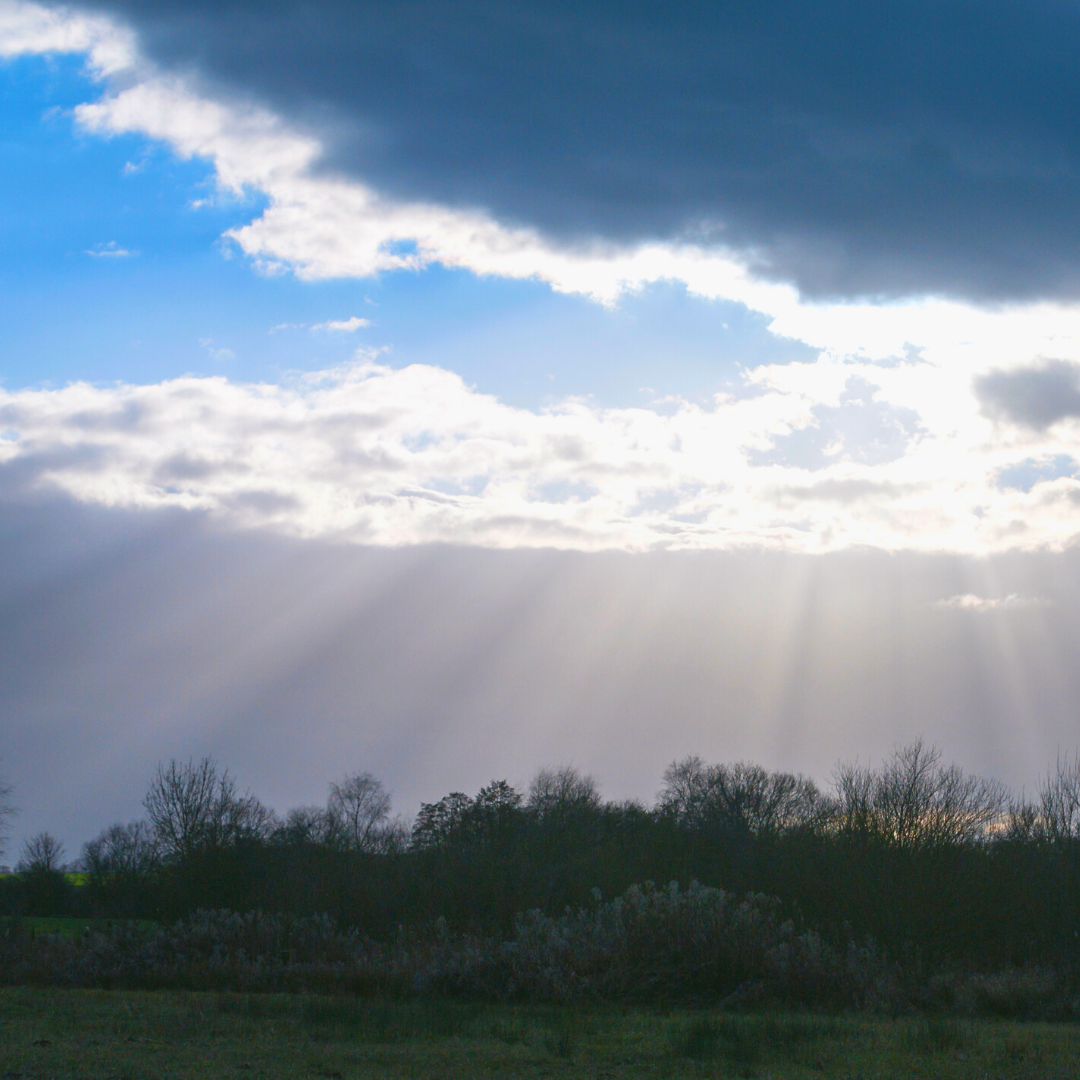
(701, 944)
(695, 946)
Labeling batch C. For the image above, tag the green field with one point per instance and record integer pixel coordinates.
(72, 877)
(63, 927)
(100, 1034)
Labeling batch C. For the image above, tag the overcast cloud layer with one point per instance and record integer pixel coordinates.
(892, 148)
(126, 639)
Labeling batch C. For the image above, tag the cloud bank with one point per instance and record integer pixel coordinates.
(1035, 396)
(370, 454)
(900, 148)
(326, 223)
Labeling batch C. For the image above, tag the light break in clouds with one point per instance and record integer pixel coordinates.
(897, 436)
(981, 604)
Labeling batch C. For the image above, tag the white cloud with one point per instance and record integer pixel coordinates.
(982, 604)
(387, 456)
(30, 29)
(219, 354)
(343, 326)
(321, 227)
(110, 250)
(880, 441)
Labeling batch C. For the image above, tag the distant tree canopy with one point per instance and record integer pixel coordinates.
(913, 801)
(1057, 814)
(358, 815)
(457, 817)
(562, 793)
(917, 855)
(129, 851)
(740, 798)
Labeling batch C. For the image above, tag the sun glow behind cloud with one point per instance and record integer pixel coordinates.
(883, 440)
(378, 455)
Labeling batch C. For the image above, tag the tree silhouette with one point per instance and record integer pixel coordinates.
(359, 810)
(195, 808)
(42, 853)
(7, 812)
(562, 792)
(122, 850)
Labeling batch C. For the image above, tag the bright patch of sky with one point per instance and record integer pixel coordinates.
(126, 237)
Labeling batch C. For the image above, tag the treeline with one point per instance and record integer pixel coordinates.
(931, 867)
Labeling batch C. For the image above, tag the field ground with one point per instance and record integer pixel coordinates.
(62, 927)
(107, 1035)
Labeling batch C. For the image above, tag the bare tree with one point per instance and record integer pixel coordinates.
(685, 794)
(305, 825)
(7, 812)
(1059, 802)
(122, 850)
(194, 807)
(359, 812)
(1022, 820)
(41, 853)
(392, 837)
(904, 794)
(914, 801)
(562, 791)
(854, 787)
(742, 797)
(965, 809)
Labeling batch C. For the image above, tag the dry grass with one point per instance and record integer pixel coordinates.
(103, 1035)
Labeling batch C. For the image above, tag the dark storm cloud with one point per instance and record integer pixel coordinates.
(1035, 396)
(126, 639)
(895, 147)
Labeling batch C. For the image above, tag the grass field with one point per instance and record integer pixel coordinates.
(64, 927)
(100, 1034)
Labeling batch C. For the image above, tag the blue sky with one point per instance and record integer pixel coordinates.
(183, 295)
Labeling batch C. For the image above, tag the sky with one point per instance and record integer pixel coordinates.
(448, 388)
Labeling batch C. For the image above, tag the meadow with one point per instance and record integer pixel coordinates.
(915, 923)
(91, 1034)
